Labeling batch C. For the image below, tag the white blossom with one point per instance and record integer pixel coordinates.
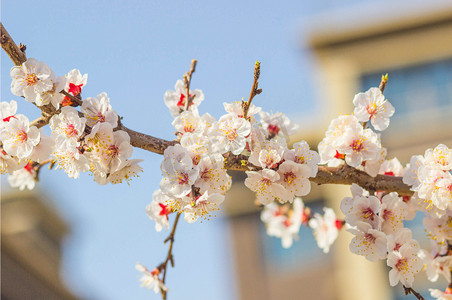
(159, 209)
(150, 279)
(178, 172)
(175, 100)
(264, 184)
(405, 264)
(301, 154)
(31, 79)
(278, 124)
(437, 294)
(18, 138)
(7, 111)
(358, 145)
(127, 171)
(99, 110)
(283, 222)
(294, 178)
(368, 242)
(67, 126)
(372, 106)
(325, 229)
(202, 206)
(23, 178)
(230, 133)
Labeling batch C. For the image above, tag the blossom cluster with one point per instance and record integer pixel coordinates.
(377, 219)
(194, 178)
(284, 221)
(349, 140)
(80, 141)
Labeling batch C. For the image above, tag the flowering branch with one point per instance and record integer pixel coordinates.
(326, 175)
(169, 258)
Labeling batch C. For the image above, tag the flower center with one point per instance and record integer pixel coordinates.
(289, 177)
(273, 129)
(31, 79)
(189, 127)
(266, 181)
(367, 214)
(372, 109)
(205, 174)
(370, 238)
(232, 135)
(70, 130)
(300, 159)
(387, 214)
(22, 136)
(112, 151)
(182, 178)
(100, 117)
(402, 264)
(357, 145)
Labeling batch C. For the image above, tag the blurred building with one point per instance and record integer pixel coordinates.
(352, 53)
(31, 237)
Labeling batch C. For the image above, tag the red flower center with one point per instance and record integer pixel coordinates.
(357, 145)
(22, 136)
(31, 79)
(273, 129)
(70, 130)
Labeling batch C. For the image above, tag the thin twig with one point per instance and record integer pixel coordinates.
(383, 82)
(37, 166)
(411, 291)
(73, 98)
(254, 89)
(187, 81)
(169, 257)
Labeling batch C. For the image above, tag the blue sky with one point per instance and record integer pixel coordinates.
(135, 51)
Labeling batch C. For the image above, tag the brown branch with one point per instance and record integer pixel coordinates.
(187, 81)
(17, 56)
(411, 291)
(254, 89)
(73, 98)
(41, 121)
(169, 257)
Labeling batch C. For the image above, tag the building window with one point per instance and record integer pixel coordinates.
(419, 88)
